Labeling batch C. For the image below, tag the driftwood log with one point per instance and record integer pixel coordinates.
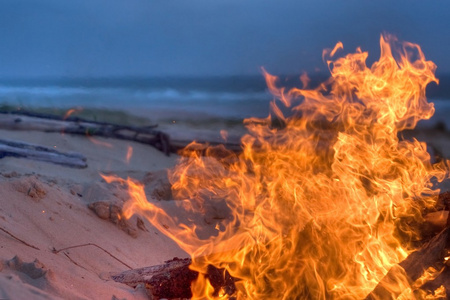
(49, 123)
(173, 279)
(26, 120)
(36, 152)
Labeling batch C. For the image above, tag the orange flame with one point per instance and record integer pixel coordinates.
(129, 154)
(69, 113)
(98, 142)
(72, 111)
(224, 135)
(322, 202)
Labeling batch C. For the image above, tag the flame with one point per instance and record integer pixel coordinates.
(224, 134)
(92, 139)
(69, 113)
(129, 154)
(98, 142)
(72, 111)
(323, 200)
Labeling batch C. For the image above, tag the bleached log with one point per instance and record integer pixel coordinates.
(146, 135)
(36, 152)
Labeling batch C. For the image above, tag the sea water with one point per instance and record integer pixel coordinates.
(222, 97)
(236, 97)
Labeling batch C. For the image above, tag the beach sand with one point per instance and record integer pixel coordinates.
(46, 206)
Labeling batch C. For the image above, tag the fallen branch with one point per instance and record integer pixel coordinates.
(48, 123)
(173, 279)
(36, 152)
(26, 120)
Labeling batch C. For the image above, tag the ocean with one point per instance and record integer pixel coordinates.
(235, 97)
(232, 97)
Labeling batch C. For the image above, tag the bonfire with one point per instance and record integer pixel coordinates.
(325, 198)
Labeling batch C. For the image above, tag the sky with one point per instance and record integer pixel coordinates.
(115, 38)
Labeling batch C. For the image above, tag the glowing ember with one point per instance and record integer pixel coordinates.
(322, 202)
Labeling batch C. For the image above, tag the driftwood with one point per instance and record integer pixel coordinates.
(173, 279)
(27, 120)
(36, 152)
(49, 123)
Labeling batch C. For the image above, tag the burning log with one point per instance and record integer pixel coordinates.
(173, 279)
(436, 220)
(441, 280)
(409, 270)
(49, 123)
(36, 152)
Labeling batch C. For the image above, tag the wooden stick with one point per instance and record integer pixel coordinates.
(36, 152)
(173, 279)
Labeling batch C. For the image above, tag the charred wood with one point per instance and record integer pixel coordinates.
(173, 279)
(409, 270)
(443, 279)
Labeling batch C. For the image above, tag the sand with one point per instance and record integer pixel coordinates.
(47, 207)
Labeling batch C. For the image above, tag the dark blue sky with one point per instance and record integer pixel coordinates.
(78, 38)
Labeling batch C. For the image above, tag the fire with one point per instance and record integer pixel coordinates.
(323, 200)
(129, 154)
(98, 142)
(72, 111)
